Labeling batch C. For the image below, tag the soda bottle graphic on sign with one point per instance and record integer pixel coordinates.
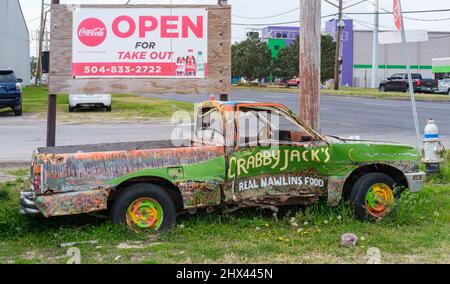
(191, 64)
(200, 65)
(181, 66)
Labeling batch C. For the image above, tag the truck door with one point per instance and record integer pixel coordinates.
(205, 180)
(393, 83)
(277, 160)
(402, 83)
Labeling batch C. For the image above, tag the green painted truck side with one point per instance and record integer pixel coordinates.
(73, 180)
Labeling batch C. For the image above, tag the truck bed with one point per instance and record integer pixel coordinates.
(107, 147)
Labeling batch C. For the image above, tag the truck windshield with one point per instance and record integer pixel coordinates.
(269, 125)
(7, 76)
(209, 128)
(414, 76)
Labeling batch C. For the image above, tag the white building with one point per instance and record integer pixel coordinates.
(14, 40)
(391, 60)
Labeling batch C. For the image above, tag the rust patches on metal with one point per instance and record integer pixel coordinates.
(200, 193)
(334, 189)
(84, 171)
(73, 202)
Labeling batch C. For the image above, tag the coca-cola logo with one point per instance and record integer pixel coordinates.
(92, 32)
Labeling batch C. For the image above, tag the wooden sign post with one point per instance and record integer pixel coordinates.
(138, 49)
(51, 111)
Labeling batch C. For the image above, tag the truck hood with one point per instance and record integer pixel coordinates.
(7, 86)
(371, 151)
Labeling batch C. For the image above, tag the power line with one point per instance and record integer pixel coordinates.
(267, 24)
(405, 12)
(385, 12)
(357, 3)
(29, 21)
(267, 17)
(410, 18)
(364, 23)
(274, 24)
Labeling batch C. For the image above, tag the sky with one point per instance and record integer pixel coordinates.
(245, 12)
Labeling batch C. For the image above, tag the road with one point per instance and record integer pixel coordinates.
(387, 120)
(20, 136)
(376, 119)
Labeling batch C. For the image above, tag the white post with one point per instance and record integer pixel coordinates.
(375, 48)
(410, 81)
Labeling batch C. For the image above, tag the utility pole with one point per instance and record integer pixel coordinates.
(223, 97)
(375, 46)
(337, 60)
(310, 34)
(51, 111)
(41, 39)
(46, 40)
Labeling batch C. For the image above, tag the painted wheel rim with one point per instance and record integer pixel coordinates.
(379, 199)
(145, 213)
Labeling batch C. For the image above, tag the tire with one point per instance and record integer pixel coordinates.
(71, 109)
(448, 92)
(17, 110)
(382, 89)
(360, 195)
(108, 108)
(151, 194)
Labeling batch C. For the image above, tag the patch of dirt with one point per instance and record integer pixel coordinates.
(7, 168)
(136, 245)
(4, 176)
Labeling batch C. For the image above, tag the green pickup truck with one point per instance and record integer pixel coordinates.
(241, 154)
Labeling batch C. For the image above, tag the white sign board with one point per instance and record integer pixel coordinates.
(396, 36)
(141, 43)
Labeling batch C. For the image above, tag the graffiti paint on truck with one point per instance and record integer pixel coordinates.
(81, 179)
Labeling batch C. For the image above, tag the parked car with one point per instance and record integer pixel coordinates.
(399, 83)
(10, 91)
(235, 80)
(284, 162)
(444, 86)
(77, 101)
(294, 82)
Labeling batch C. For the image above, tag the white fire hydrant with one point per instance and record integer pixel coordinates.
(433, 149)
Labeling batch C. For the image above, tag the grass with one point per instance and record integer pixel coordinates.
(416, 232)
(125, 107)
(355, 92)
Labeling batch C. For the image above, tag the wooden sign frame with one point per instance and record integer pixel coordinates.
(219, 58)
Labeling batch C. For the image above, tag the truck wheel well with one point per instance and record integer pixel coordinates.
(391, 171)
(170, 188)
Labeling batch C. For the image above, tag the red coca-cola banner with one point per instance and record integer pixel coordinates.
(156, 42)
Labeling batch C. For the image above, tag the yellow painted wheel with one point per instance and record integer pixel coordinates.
(379, 199)
(144, 213)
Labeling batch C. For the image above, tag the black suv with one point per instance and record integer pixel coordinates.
(10, 91)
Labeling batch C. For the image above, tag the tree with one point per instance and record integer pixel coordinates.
(286, 64)
(33, 65)
(328, 47)
(251, 58)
